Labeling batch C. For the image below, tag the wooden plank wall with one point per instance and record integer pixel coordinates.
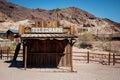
(48, 53)
(65, 60)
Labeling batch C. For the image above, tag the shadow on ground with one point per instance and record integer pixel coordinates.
(17, 64)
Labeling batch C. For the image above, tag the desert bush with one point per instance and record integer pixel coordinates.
(87, 36)
(86, 39)
(86, 45)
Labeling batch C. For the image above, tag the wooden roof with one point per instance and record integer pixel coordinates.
(25, 36)
(13, 31)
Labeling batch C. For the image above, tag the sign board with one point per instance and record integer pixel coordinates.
(46, 30)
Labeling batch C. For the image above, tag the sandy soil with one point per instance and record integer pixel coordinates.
(91, 71)
(84, 72)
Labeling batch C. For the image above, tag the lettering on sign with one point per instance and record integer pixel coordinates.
(46, 30)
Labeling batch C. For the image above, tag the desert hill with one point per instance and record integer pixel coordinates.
(11, 13)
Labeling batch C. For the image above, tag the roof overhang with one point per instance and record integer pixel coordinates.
(47, 36)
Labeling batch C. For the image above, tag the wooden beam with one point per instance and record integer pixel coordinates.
(88, 57)
(109, 58)
(25, 61)
(71, 61)
(113, 59)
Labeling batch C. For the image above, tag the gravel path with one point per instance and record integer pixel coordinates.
(84, 72)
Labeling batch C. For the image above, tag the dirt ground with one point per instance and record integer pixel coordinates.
(92, 71)
(84, 71)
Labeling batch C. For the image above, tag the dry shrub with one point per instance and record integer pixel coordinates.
(86, 45)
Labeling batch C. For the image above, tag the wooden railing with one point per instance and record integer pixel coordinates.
(105, 59)
(116, 59)
(4, 52)
(7, 53)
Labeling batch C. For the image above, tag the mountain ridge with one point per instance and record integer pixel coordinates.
(82, 19)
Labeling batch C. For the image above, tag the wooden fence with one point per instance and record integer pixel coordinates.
(103, 58)
(4, 52)
(7, 53)
(116, 59)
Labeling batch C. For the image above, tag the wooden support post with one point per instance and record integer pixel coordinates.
(21, 30)
(70, 30)
(71, 58)
(88, 57)
(71, 61)
(109, 57)
(25, 61)
(113, 59)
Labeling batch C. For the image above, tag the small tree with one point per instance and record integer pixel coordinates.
(57, 11)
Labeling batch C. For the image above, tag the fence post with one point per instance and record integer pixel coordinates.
(88, 57)
(113, 59)
(1, 53)
(7, 53)
(109, 57)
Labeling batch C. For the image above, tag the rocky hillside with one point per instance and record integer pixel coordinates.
(11, 13)
(17, 13)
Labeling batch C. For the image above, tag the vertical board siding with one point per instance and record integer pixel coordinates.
(48, 53)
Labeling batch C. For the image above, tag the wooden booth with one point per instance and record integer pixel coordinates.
(47, 45)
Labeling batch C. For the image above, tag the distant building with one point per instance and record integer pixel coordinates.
(3, 34)
(10, 33)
